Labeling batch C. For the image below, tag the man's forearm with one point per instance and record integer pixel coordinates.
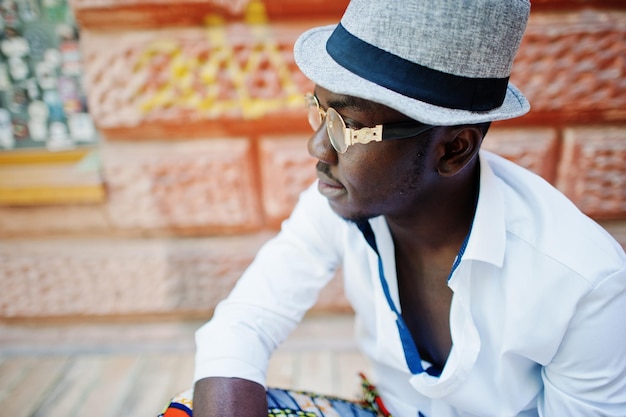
(228, 397)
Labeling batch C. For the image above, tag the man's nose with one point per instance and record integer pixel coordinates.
(319, 146)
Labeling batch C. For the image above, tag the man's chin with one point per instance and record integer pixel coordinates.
(348, 216)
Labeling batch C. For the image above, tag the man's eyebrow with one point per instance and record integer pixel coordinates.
(343, 102)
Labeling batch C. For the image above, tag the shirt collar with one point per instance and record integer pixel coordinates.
(488, 235)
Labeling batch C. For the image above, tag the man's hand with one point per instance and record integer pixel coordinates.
(228, 397)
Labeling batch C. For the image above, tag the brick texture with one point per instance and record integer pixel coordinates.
(286, 170)
(571, 66)
(194, 82)
(101, 277)
(138, 14)
(593, 170)
(125, 14)
(534, 149)
(95, 277)
(190, 187)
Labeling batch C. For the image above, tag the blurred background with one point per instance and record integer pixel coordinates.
(148, 148)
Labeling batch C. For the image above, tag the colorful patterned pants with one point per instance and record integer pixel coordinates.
(285, 403)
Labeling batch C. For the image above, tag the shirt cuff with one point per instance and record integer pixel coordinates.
(229, 368)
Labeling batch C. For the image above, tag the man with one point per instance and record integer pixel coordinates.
(479, 290)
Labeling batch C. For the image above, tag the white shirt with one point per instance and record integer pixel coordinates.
(537, 319)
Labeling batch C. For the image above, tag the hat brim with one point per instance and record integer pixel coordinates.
(313, 60)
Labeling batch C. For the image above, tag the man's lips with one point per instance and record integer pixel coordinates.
(329, 187)
(331, 182)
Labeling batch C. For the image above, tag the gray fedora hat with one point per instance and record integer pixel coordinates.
(442, 62)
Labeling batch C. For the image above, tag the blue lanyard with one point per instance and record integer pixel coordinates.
(412, 356)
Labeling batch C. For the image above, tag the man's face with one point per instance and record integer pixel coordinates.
(388, 178)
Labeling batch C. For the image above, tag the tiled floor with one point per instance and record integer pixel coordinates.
(131, 370)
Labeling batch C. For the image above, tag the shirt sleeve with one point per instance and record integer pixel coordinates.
(273, 295)
(587, 376)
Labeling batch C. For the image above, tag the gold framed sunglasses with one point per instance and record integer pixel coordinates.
(341, 136)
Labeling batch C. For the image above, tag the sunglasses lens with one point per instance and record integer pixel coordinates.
(313, 112)
(336, 128)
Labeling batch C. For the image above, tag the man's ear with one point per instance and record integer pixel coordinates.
(458, 149)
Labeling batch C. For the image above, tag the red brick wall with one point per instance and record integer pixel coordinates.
(231, 88)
